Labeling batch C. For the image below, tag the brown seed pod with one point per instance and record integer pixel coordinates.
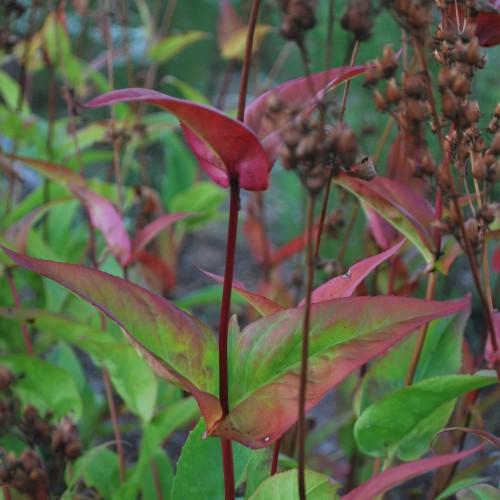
(479, 168)
(393, 91)
(380, 101)
(415, 110)
(495, 144)
(414, 86)
(450, 104)
(471, 113)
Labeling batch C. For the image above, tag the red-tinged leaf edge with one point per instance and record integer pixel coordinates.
(266, 408)
(485, 435)
(153, 307)
(263, 305)
(304, 91)
(397, 475)
(105, 217)
(157, 273)
(146, 234)
(226, 149)
(53, 171)
(345, 285)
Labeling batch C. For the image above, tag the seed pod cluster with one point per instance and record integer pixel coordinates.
(414, 16)
(26, 474)
(382, 68)
(358, 18)
(298, 17)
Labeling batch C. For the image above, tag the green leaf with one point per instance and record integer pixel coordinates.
(202, 197)
(199, 470)
(460, 485)
(170, 46)
(257, 470)
(156, 432)
(479, 492)
(10, 92)
(159, 474)
(98, 467)
(441, 355)
(285, 486)
(44, 386)
(131, 376)
(387, 423)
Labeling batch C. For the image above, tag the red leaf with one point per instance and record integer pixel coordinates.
(491, 356)
(397, 475)
(255, 234)
(158, 274)
(488, 28)
(226, 149)
(345, 285)
(289, 249)
(149, 232)
(495, 264)
(305, 92)
(262, 304)
(106, 218)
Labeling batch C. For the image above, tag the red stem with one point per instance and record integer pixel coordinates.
(276, 454)
(17, 301)
(232, 229)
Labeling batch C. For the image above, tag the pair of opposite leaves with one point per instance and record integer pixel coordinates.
(265, 358)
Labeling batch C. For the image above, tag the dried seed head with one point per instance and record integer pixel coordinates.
(415, 110)
(414, 86)
(380, 101)
(479, 168)
(358, 20)
(471, 113)
(495, 145)
(450, 104)
(364, 169)
(316, 179)
(393, 91)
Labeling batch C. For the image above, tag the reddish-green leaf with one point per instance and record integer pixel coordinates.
(262, 304)
(405, 209)
(106, 218)
(345, 285)
(53, 171)
(226, 149)
(397, 475)
(345, 334)
(177, 346)
(149, 232)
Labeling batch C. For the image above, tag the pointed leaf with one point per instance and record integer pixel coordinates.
(166, 49)
(304, 91)
(149, 232)
(397, 475)
(53, 171)
(177, 346)
(387, 423)
(405, 209)
(285, 486)
(345, 285)
(345, 334)
(226, 149)
(157, 273)
(106, 218)
(262, 304)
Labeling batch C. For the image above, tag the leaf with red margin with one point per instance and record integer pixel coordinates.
(491, 356)
(177, 346)
(226, 149)
(401, 206)
(304, 92)
(262, 304)
(345, 334)
(53, 171)
(345, 285)
(151, 231)
(397, 475)
(106, 218)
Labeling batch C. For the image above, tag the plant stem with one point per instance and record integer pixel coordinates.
(429, 294)
(232, 229)
(114, 422)
(326, 196)
(276, 454)
(17, 301)
(302, 429)
(252, 23)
